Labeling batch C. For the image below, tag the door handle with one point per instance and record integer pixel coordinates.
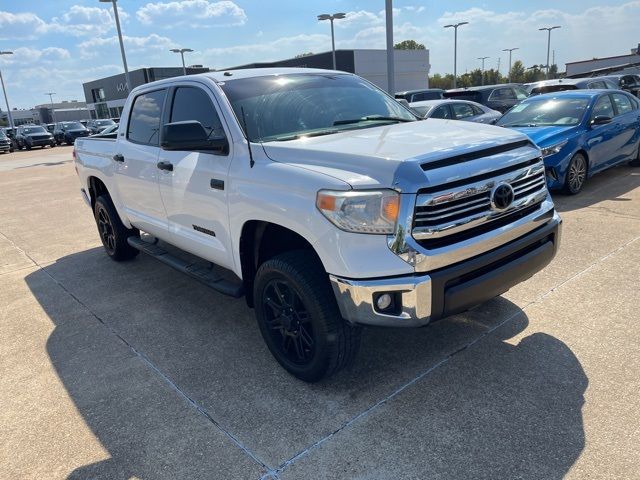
(165, 166)
(118, 158)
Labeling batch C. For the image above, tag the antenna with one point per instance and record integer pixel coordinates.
(246, 130)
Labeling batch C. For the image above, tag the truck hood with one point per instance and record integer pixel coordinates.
(370, 157)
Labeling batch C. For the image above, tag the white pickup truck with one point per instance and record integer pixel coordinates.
(322, 200)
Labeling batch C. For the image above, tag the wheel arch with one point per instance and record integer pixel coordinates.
(261, 240)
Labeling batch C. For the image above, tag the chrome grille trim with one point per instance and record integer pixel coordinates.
(452, 210)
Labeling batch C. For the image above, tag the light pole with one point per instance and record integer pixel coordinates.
(182, 51)
(510, 50)
(391, 66)
(124, 57)
(482, 71)
(331, 18)
(53, 115)
(455, 50)
(548, 29)
(4, 90)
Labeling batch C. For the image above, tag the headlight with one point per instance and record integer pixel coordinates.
(553, 149)
(366, 211)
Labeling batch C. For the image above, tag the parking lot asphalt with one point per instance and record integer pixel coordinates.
(131, 370)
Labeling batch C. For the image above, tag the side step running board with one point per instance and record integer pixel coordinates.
(196, 271)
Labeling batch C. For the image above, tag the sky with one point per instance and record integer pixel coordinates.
(59, 44)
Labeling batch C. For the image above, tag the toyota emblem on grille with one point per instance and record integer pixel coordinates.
(502, 197)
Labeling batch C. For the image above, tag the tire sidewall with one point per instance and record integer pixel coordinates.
(319, 364)
(568, 188)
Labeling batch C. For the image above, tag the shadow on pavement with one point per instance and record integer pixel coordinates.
(612, 184)
(153, 326)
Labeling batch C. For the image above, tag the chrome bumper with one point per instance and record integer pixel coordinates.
(452, 289)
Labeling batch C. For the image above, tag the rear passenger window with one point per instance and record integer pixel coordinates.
(622, 103)
(502, 94)
(192, 103)
(144, 124)
(593, 85)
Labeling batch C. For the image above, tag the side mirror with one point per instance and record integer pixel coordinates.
(601, 120)
(191, 135)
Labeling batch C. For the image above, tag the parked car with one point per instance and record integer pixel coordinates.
(5, 142)
(580, 132)
(629, 83)
(9, 133)
(497, 97)
(96, 126)
(109, 132)
(562, 84)
(420, 95)
(29, 136)
(329, 205)
(456, 110)
(67, 132)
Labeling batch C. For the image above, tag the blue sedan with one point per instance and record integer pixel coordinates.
(580, 132)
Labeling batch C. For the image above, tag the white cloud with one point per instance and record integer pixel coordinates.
(20, 25)
(192, 13)
(28, 55)
(80, 20)
(95, 46)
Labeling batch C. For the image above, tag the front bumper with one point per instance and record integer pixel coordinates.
(40, 142)
(424, 298)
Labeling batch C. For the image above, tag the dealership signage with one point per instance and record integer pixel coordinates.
(121, 87)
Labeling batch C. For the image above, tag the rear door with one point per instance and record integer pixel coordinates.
(194, 191)
(136, 163)
(627, 119)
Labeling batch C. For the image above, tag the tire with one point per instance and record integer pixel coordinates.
(112, 231)
(636, 162)
(311, 341)
(576, 175)
(27, 146)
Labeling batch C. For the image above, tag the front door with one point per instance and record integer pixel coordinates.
(194, 192)
(136, 161)
(601, 137)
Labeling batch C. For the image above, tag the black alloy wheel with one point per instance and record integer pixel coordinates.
(105, 228)
(576, 174)
(289, 322)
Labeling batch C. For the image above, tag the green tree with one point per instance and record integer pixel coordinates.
(517, 72)
(409, 45)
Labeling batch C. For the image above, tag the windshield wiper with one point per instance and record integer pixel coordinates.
(295, 136)
(370, 118)
(519, 125)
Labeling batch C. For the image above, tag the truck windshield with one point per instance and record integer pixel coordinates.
(546, 112)
(34, 130)
(290, 106)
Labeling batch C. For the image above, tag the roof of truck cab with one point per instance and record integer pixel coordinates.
(227, 75)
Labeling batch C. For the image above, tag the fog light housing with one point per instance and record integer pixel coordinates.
(384, 301)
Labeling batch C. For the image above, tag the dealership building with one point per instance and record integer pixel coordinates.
(48, 113)
(105, 97)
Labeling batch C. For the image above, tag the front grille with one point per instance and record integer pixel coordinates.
(39, 137)
(453, 212)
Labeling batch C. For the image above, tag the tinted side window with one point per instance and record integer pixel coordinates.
(191, 103)
(521, 93)
(597, 85)
(603, 107)
(144, 123)
(502, 94)
(462, 110)
(477, 110)
(623, 103)
(441, 112)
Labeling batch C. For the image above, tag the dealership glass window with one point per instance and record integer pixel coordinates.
(144, 123)
(98, 95)
(623, 103)
(101, 110)
(191, 103)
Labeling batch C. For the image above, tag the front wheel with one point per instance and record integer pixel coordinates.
(113, 233)
(299, 318)
(576, 174)
(636, 162)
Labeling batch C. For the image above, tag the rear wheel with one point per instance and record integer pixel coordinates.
(636, 162)
(299, 318)
(113, 233)
(576, 174)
